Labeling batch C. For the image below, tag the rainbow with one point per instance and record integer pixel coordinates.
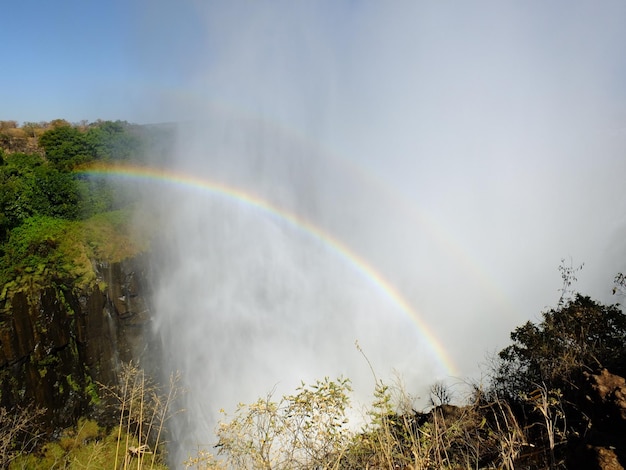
(135, 172)
(231, 112)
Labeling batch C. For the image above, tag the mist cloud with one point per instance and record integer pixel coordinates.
(462, 150)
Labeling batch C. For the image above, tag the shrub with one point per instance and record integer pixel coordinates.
(580, 335)
(301, 431)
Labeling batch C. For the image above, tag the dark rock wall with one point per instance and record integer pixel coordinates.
(57, 343)
(603, 444)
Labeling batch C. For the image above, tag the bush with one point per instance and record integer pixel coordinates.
(301, 431)
(580, 335)
(66, 147)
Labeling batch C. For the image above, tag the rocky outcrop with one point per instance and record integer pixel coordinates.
(57, 343)
(609, 396)
(603, 447)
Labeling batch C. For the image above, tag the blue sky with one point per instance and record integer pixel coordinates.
(120, 59)
(88, 60)
(139, 60)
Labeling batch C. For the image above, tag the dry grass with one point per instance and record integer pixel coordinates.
(18, 432)
(301, 431)
(144, 408)
(136, 442)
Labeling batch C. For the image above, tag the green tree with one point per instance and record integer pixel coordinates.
(116, 140)
(581, 335)
(55, 193)
(16, 190)
(66, 147)
(29, 186)
(20, 164)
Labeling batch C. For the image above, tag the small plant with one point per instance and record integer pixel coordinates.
(548, 402)
(204, 460)
(18, 432)
(144, 408)
(301, 431)
(440, 394)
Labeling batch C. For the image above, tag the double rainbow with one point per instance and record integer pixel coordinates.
(343, 252)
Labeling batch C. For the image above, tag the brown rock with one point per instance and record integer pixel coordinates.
(610, 390)
(605, 459)
(591, 457)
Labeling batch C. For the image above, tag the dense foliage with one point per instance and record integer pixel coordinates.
(582, 335)
(67, 146)
(41, 192)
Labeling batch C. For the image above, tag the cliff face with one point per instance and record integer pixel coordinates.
(603, 445)
(57, 343)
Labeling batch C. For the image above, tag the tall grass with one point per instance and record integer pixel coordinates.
(308, 429)
(144, 409)
(137, 440)
(270, 434)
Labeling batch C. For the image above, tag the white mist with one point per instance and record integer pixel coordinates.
(248, 300)
(462, 151)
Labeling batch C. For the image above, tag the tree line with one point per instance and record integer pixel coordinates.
(42, 181)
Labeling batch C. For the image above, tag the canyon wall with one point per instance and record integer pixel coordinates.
(59, 343)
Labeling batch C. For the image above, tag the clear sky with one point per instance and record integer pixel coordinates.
(88, 60)
(139, 60)
(135, 60)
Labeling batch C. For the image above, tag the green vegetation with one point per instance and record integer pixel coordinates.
(53, 220)
(42, 182)
(581, 336)
(305, 430)
(68, 146)
(136, 440)
(86, 446)
(55, 224)
(44, 249)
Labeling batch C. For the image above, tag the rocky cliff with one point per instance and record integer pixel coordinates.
(603, 445)
(57, 343)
